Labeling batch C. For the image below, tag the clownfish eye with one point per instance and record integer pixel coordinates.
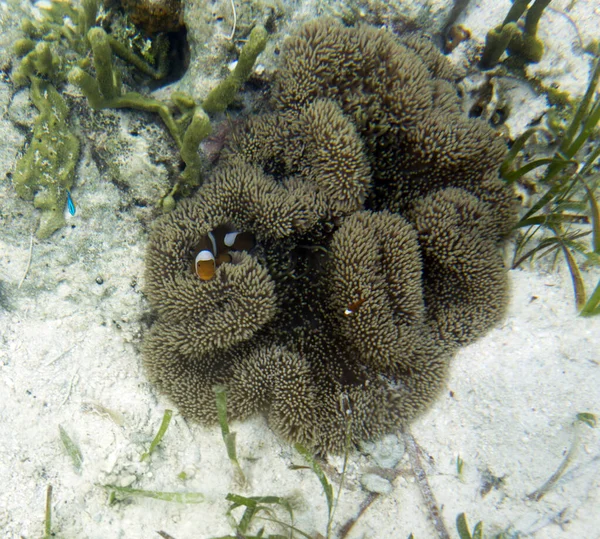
(205, 265)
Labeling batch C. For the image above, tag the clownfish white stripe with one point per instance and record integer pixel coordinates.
(229, 239)
(354, 306)
(213, 241)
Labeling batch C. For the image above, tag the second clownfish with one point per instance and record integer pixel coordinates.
(354, 306)
(214, 250)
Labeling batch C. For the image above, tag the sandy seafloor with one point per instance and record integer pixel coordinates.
(69, 351)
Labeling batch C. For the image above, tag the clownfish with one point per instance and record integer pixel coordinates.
(222, 258)
(354, 306)
(214, 250)
(239, 241)
(205, 265)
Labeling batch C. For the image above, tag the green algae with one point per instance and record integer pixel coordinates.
(224, 93)
(54, 51)
(191, 125)
(46, 170)
(521, 43)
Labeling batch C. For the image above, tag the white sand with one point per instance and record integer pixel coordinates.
(515, 395)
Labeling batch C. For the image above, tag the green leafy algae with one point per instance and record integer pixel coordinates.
(45, 172)
(56, 51)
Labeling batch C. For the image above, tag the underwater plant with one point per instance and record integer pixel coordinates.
(55, 50)
(374, 219)
(565, 216)
(45, 172)
(523, 43)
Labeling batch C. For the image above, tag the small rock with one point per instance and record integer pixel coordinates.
(127, 480)
(386, 453)
(375, 483)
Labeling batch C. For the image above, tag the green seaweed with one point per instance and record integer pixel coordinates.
(582, 418)
(46, 170)
(164, 425)
(120, 493)
(48, 514)
(318, 471)
(523, 43)
(228, 436)
(462, 527)
(254, 506)
(567, 210)
(460, 465)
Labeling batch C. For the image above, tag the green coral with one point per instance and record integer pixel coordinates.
(508, 36)
(45, 172)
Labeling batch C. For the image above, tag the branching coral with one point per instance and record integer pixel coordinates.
(378, 218)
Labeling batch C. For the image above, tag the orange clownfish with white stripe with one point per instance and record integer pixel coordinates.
(214, 250)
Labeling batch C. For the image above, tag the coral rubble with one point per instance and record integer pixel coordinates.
(378, 219)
